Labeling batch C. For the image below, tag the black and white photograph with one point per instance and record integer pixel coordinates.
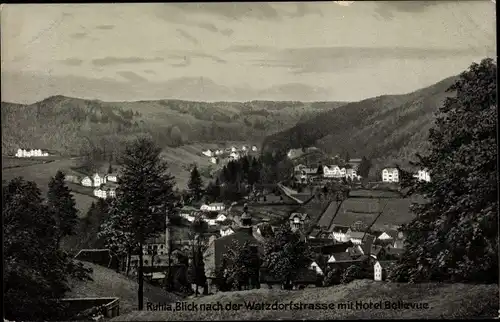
(189, 161)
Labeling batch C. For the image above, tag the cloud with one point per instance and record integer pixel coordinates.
(105, 27)
(131, 76)
(78, 35)
(387, 9)
(188, 36)
(185, 61)
(249, 49)
(227, 32)
(257, 10)
(124, 60)
(186, 57)
(332, 59)
(212, 57)
(72, 61)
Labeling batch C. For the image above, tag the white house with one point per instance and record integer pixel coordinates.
(98, 180)
(254, 148)
(333, 171)
(221, 217)
(355, 237)
(212, 207)
(390, 175)
(218, 152)
(316, 267)
(111, 177)
(210, 222)
(423, 175)
(297, 220)
(226, 231)
(380, 269)
(213, 160)
(234, 149)
(339, 233)
(100, 193)
(244, 148)
(87, 182)
(384, 236)
(351, 173)
(208, 153)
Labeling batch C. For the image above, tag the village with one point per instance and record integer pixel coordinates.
(218, 156)
(338, 245)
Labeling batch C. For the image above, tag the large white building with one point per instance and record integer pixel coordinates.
(423, 175)
(22, 153)
(390, 175)
(213, 207)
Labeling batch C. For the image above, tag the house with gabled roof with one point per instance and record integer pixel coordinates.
(339, 233)
(298, 220)
(380, 269)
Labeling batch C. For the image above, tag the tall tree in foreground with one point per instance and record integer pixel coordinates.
(455, 234)
(61, 203)
(286, 254)
(195, 184)
(144, 197)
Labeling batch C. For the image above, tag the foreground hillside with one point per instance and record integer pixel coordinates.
(443, 301)
(108, 283)
(385, 128)
(77, 126)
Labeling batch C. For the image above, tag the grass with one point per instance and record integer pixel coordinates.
(109, 283)
(396, 211)
(13, 162)
(443, 300)
(41, 173)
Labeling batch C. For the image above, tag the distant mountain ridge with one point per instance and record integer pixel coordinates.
(387, 129)
(71, 125)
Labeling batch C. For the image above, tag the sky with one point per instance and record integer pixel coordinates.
(319, 51)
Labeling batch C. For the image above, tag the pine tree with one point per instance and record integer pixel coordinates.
(35, 269)
(195, 184)
(454, 236)
(60, 201)
(143, 199)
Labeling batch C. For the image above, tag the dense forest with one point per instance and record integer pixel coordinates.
(385, 128)
(72, 126)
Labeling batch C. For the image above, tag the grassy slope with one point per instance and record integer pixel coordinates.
(444, 300)
(385, 128)
(108, 283)
(67, 124)
(41, 174)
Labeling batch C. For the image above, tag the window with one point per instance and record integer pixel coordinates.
(161, 246)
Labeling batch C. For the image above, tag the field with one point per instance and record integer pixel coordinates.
(42, 172)
(108, 283)
(443, 301)
(396, 211)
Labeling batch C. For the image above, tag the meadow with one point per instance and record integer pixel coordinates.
(108, 283)
(41, 173)
(442, 301)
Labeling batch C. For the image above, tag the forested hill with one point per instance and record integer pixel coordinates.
(387, 129)
(69, 125)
